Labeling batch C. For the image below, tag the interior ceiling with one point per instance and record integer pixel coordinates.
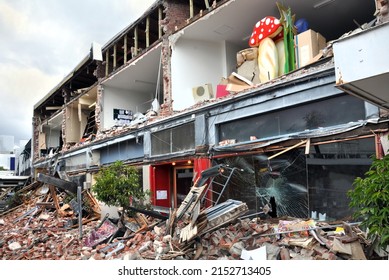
(141, 76)
(55, 123)
(235, 22)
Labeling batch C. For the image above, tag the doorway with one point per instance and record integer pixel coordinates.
(183, 181)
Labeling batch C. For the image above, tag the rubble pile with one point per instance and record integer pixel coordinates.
(37, 230)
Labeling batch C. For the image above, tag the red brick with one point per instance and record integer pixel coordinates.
(284, 254)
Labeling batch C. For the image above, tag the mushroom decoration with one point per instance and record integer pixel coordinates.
(268, 27)
(267, 60)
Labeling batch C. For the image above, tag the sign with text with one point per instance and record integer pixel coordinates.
(122, 116)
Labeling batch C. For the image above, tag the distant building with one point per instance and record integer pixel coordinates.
(7, 155)
(23, 159)
(15, 159)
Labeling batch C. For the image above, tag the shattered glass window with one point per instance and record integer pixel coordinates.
(295, 184)
(279, 183)
(176, 139)
(325, 113)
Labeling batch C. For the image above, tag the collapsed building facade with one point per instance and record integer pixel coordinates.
(159, 96)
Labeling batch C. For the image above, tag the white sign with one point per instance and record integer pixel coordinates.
(161, 195)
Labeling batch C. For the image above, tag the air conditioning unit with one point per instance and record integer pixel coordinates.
(202, 93)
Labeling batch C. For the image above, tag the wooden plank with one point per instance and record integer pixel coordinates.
(62, 184)
(206, 4)
(136, 43)
(54, 197)
(357, 251)
(45, 204)
(195, 213)
(107, 62)
(191, 8)
(288, 149)
(114, 56)
(125, 48)
(147, 31)
(159, 22)
(10, 210)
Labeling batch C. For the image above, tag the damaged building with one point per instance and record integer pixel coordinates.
(179, 91)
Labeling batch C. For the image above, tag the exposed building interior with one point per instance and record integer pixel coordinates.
(159, 95)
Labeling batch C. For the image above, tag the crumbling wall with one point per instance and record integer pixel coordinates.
(35, 142)
(98, 110)
(382, 11)
(176, 14)
(167, 106)
(63, 128)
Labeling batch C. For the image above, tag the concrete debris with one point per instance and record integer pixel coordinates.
(31, 232)
(14, 246)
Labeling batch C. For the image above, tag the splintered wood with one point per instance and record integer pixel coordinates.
(191, 221)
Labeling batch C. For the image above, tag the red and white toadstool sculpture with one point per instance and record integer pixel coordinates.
(268, 27)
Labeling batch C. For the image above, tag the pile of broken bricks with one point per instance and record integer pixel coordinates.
(32, 232)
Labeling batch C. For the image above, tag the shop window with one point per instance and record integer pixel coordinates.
(325, 113)
(282, 179)
(176, 139)
(332, 169)
(301, 184)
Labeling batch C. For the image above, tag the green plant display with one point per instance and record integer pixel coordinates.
(370, 199)
(287, 21)
(119, 185)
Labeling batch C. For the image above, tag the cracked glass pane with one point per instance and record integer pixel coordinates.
(294, 184)
(282, 180)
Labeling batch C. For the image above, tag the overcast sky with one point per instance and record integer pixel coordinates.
(42, 41)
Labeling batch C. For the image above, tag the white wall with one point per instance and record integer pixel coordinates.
(231, 51)
(52, 137)
(195, 63)
(146, 177)
(115, 98)
(72, 125)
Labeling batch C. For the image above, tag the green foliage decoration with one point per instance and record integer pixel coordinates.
(370, 199)
(287, 21)
(119, 185)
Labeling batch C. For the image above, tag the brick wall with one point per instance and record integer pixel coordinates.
(176, 15)
(35, 138)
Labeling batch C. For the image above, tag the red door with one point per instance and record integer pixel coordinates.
(160, 185)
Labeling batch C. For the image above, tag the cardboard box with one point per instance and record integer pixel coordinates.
(308, 45)
(247, 64)
(249, 70)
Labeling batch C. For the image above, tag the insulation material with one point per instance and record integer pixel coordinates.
(384, 138)
(42, 141)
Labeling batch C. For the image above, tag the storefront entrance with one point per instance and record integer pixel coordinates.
(183, 181)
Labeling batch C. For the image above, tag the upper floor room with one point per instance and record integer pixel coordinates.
(173, 49)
